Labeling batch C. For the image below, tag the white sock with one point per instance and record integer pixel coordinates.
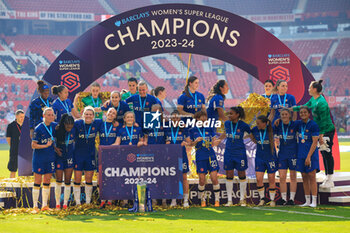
(66, 194)
(330, 177)
(284, 196)
(314, 200)
(35, 194)
(76, 190)
(88, 193)
(229, 189)
(216, 189)
(201, 192)
(45, 195)
(185, 197)
(272, 194)
(261, 192)
(242, 188)
(307, 199)
(58, 193)
(292, 196)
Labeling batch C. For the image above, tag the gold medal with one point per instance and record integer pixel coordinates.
(130, 143)
(203, 144)
(302, 140)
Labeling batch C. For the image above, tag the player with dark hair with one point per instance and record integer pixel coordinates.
(13, 134)
(269, 89)
(160, 94)
(64, 158)
(62, 104)
(132, 83)
(235, 156)
(203, 138)
(108, 134)
(286, 138)
(308, 162)
(43, 157)
(216, 100)
(37, 105)
(322, 116)
(191, 101)
(265, 158)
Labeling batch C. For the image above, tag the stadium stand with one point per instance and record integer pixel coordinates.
(327, 6)
(251, 7)
(19, 53)
(86, 6)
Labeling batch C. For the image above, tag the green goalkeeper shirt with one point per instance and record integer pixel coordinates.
(320, 112)
(95, 103)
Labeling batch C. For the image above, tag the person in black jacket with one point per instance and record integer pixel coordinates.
(13, 134)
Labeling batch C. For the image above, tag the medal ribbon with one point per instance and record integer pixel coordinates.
(93, 101)
(234, 133)
(262, 137)
(87, 134)
(284, 101)
(131, 132)
(195, 97)
(142, 106)
(65, 105)
(174, 137)
(49, 131)
(109, 131)
(303, 129)
(47, 103)
(285, 134)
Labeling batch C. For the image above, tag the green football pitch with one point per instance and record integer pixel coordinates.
(195, 219)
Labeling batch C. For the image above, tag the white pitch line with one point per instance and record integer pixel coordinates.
(297, 212)
(344, 148)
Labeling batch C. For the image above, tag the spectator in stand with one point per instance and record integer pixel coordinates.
(13, 134)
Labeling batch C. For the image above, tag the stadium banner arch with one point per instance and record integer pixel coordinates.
(173, 28)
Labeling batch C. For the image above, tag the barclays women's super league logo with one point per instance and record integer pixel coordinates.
(151, 120)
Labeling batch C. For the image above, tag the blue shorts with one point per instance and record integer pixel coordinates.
(205, 166)
(240, 163)
(85, 164)
(43, 167)
(306, 169)
(64, 162)
(185, 166)
(290, 163)
(265, 165)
